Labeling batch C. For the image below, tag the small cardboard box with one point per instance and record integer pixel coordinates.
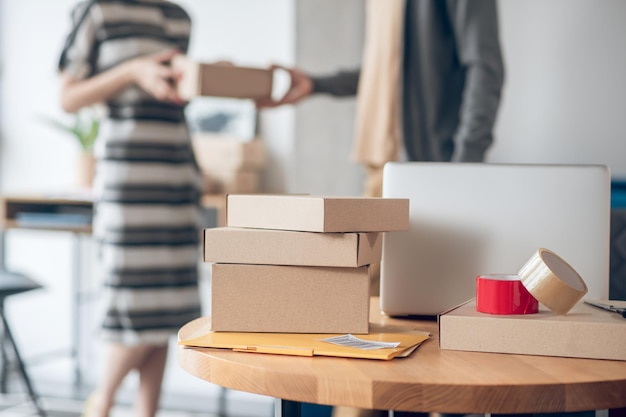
(220, 80)
(214, 152)
(280, 247)
(289, 299)
(318, 214)
(585, 332)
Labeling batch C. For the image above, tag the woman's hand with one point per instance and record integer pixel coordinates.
(154, 74)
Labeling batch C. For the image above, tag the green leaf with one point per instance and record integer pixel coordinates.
(85, 133)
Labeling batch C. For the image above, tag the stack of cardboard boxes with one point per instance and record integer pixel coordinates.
(297, 264)
(228, 164)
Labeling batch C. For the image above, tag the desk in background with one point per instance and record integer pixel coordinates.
(73, 213)
(65, 213)
(430, 380)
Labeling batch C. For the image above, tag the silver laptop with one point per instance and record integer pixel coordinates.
(471, 219)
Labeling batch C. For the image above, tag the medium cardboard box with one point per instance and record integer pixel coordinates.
(585, 332)
(214, 152)
(280, 247)
(238, 181)
(318, 214)
(289, 299)
(219, 80)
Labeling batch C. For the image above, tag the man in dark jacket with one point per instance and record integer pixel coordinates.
(447, 87)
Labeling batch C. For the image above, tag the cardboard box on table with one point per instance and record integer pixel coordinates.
(318, 214)
(221, 80)
(584, 332)
(289, 299)
(279, 247)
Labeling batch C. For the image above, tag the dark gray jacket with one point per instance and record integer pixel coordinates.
(452, 79)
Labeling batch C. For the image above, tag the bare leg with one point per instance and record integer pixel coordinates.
(150, 380)
(120, 361)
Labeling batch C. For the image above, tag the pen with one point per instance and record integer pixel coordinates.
(608, 307)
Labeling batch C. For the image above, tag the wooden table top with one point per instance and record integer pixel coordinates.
(430, 380)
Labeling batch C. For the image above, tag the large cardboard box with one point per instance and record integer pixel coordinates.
(318, 214)
(280, 247)
(220, 80)
(215, 152)
(290, 299)
(585, 332)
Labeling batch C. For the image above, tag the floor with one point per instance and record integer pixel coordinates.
(66, 401)
(19, 406)
(62, 397)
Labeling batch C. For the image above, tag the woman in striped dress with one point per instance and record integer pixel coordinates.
(146, 185)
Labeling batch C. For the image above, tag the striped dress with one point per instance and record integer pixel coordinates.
(147, 183)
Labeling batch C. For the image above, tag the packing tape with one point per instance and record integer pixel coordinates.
(503, 294)
(552, 281)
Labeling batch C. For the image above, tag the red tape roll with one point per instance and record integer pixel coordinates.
(503, 294)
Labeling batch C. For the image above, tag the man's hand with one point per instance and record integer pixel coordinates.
(300, 88)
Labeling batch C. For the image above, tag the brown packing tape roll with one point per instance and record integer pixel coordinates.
(552, 281)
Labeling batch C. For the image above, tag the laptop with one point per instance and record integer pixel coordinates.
(469, 219)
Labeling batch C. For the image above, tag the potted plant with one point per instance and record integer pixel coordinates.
(85, 130)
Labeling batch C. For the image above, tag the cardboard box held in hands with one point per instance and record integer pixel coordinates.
(221, 80)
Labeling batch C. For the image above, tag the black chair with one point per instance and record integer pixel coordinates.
(12, 283)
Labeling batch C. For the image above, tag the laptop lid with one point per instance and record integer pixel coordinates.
(470, 219)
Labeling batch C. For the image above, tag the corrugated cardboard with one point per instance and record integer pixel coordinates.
(289, 299)
(280, 247)
(585, 332)
(214, 152)
(318, 214)
(219, 80)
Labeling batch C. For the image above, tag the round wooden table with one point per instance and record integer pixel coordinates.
(430, 380)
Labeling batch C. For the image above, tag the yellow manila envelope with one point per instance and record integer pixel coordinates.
(397, 343)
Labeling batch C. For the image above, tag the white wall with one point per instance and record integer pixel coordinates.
(329, 36)
(565, 94)
(34, 156)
